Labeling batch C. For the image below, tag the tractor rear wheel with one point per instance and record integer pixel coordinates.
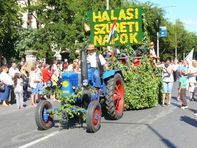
(93, 117)
(115, 97)
(43, 118)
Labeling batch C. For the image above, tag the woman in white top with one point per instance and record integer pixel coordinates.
(167, 81)
(192, 72)
(7, 80)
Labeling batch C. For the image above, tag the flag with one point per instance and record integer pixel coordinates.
(112, 32)
(189, 57)
(86, 27)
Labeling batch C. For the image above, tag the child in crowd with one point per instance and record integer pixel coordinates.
(33, 82)
(18, 90)
(182, 89)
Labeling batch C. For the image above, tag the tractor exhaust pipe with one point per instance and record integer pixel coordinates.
(84, 66)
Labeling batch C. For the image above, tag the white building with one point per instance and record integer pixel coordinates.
(29, 19)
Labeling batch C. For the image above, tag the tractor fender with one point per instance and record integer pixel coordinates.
(111, 73)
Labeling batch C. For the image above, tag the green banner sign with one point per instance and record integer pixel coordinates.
(116, 27)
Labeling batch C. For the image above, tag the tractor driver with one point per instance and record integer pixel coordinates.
(97, 63)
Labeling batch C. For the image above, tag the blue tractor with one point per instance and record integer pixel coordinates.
(110, 97)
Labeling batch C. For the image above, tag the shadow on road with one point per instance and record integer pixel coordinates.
(189, 120)
(167, 142)
(192, 110)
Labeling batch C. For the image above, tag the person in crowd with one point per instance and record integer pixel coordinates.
(138, 54)
(167, 81)
(13, 69)
(25, 76)
(152, 53)
(54, 65)
(39, 79)
(183, 67)
(59, 70)
(65, 65)
(46, 74)
(182, 88)
(22, 63)
(192, 72)
(55, 83)
(175, 69)
(96, 61)
(18, 90)
(7, 80)
(35, 88)
(76, 67)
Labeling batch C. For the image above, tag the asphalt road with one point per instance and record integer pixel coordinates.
(161, 127)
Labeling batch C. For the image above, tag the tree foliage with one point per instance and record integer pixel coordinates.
(63, 24)
(9, 21)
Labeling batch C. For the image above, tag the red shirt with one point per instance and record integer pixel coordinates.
(46, 75)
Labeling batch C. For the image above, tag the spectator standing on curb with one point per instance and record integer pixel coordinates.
(55, 83)
(183, 67)
(46, 74)
(167, 81)
(34, 80)
(7, 80)
(175, 69)
(25, 76)
(13, 69)
(182, 88)
(39, 80)
(192, 72)
(18, 90)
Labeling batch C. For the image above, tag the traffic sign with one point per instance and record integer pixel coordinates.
(163, 31)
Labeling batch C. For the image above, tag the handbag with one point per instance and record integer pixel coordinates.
(2, 86)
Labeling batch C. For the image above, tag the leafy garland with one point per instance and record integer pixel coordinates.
(67, 104)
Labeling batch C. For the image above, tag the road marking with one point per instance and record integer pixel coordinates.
(39, 140)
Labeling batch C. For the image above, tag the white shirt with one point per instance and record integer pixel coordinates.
(32, 78)
(152, 53)
(92, 60)
(192, 77)
(167, 77)
(13, 71)
(6, 78)
(19, 85)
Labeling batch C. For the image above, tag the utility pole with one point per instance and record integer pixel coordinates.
(158, 24)
(175, 40)
(158, 44)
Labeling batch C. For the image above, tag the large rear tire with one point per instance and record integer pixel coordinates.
(43, 118)
(115, 97)
(93, 117)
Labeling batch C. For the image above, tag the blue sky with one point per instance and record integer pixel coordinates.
(185, 10)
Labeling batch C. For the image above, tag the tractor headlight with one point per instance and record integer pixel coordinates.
(85, 82)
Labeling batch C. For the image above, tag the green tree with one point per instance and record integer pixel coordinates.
(9, 21)
(63, 24)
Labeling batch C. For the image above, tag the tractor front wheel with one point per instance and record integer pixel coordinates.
(115, 97)
(43, 118)
(93, 117)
